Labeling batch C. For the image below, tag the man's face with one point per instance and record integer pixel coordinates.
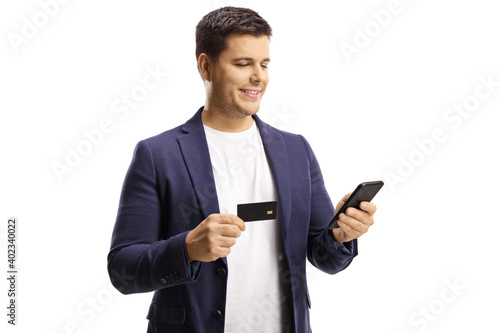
(240, 76)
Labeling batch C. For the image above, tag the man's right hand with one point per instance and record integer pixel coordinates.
(212, 239)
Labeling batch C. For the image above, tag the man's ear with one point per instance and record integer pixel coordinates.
(205, 66)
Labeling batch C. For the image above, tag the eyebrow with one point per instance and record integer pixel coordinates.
(250, 59)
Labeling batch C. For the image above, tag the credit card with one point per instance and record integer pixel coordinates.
(259, 211)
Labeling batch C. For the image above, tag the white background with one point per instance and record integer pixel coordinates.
(437, 224)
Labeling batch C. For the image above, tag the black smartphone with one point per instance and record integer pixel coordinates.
(364, 192)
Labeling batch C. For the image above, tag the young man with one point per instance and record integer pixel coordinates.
(177, 232)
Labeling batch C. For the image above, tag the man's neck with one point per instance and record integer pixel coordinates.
(222, 123)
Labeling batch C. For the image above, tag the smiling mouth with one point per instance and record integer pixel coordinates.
(251, 92)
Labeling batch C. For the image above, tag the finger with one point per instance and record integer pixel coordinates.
(356, 225)
(342, 201)
(344, 198)
(224, 251)
(360, 215)
(232, 219)
(368, 207)
(349, 231)
(226, 241)
(229, 230)
(240, 223)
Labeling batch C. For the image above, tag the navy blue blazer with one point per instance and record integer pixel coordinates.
(169, 189)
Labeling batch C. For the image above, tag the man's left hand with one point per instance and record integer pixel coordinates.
(355, 222)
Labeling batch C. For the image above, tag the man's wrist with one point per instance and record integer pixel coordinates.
(345, 247)
(339, 236)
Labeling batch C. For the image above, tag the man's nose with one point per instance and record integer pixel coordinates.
(258, 74)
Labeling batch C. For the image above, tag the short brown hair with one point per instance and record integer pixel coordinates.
(214, 28)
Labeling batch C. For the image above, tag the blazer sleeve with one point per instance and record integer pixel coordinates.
(139, 260)
(323, 251)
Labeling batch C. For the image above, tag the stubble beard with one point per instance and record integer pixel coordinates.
(230, 110)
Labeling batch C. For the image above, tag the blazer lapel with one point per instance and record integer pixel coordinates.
(195, 152)
(277, 156)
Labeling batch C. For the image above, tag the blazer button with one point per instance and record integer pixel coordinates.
(163, 280)
(221, 272)
(217, 313)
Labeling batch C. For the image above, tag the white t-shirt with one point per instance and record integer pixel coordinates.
(256, 297)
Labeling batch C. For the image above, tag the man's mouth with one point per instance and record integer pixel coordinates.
(252, 93)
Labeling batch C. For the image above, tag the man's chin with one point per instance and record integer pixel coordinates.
(251, 111)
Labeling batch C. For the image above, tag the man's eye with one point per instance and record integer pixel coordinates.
(264, 66)
(241, 65)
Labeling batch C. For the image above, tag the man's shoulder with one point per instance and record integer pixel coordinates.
(169, 137)
(166, 137)
(289, 137)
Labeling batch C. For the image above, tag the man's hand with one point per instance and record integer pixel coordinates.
(356, 222)
(213, 238)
